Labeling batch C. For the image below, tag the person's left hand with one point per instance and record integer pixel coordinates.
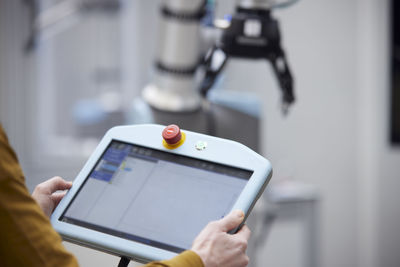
(46, 194)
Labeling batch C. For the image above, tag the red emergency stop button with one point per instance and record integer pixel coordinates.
(172, 134)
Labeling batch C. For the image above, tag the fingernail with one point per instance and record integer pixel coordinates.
(239, 213)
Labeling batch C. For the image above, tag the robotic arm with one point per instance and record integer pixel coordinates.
(252, 33)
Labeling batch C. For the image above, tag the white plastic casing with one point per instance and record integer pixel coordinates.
(218, 150)
(178, 48)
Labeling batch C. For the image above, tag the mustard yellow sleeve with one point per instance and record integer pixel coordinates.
(27, 237)
(186, 259)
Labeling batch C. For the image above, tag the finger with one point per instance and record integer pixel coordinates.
(231, 221)
(56, 183)
(56, 197)
(243, 233)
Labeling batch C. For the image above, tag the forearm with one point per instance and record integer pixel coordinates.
(28, 238)
(185, 259)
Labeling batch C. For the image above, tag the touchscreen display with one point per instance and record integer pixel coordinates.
(154, 197)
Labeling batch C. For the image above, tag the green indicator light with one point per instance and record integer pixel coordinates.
(201, 145)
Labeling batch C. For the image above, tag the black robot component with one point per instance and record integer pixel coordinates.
(252, 34)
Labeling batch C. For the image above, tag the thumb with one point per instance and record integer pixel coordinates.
(56, 197)
(231, 221)
(56, 183)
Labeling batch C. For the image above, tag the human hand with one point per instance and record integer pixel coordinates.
(46, 194)
(217, 248)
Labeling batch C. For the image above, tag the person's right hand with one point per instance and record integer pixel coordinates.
(217, 248)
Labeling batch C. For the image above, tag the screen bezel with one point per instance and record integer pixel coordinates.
(246, 175)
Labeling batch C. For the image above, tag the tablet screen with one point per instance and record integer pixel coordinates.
(154, 197)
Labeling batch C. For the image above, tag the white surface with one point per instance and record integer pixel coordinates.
(178, 48)
(219, 150)
(379, 169)
(275, 246)
(315, 143)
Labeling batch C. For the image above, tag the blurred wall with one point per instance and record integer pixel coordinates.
(317, 142)
(335, 136)
(14, 21)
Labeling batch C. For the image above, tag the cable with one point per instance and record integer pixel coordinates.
(123, 262)
(285, 4)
